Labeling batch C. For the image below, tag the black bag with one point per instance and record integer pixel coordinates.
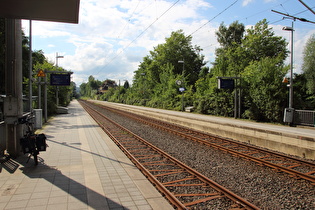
(27, 144)
(41, 142)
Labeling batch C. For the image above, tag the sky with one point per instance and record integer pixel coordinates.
(113, 36)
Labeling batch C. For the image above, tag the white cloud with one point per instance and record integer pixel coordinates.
(113, 36)
(246, 2)
(105, 25)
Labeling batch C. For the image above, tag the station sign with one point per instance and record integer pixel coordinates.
(41, 73)
(225, 83)
(60, 79)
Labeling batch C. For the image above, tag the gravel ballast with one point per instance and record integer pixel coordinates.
(260, 185)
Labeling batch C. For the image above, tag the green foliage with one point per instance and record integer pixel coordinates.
(230, 36)
(265, 91)
(260, 42)
(309, 64)
(91, 88)
(255, 55)
(303, 99)
(65, 93)
(38, 62)
(155, 80)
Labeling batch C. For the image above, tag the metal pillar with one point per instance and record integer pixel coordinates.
(39, 92)
(45, 99)
(291, 71)
(30, 75)
(13, 103)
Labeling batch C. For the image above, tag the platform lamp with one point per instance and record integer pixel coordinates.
(289, 112)
(182, 89)
(57, 57)
(290, 28)
(57, 89)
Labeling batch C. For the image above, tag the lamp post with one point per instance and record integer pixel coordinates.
(58, 56)
(143, 86)
(288, 28)
(30, 75)
(57, 89)
(182, 89)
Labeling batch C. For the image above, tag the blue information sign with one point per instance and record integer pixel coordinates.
(225, 83)
(60, 79)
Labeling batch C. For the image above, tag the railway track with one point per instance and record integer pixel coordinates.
(184, 187)
(296, 168)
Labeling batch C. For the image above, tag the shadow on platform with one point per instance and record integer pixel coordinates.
(73, 188)
(92, 153)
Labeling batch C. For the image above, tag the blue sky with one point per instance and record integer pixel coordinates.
(113, 36)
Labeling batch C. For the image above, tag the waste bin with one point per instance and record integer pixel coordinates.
(38, 118)
(288, 115)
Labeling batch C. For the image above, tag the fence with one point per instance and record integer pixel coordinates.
(304, 117)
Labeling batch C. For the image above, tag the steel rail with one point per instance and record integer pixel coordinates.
(172, 199)
(246, 154)
(223, 192)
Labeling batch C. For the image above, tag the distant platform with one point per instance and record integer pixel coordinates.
(298, 141)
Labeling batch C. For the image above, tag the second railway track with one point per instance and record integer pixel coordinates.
(266, 192)
(295, 167)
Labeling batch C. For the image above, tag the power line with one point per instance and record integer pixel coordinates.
(263, 11)
(293, 15)
(140, 34)
(129, 19)
(295, 18)
(307, 7)
(213, 18)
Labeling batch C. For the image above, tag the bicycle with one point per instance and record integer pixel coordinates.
(32, 143)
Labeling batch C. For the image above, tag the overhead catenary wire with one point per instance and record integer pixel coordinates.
(295, 18)
(139, 35)
(310, 9)
(129, 19)
(292, 15)
(214, 17)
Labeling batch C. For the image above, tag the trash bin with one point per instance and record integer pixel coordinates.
(288, 115)
(38, 118)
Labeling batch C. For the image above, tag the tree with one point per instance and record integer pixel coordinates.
(229, 57)
(264, 55)
(303, 99)
(65, 93)
(308, 66)
(251, 56)
(126, 84)
(179, 47)
(150, 78)
(231, 35)
(266, 94)
(91, 88)
(260, 42)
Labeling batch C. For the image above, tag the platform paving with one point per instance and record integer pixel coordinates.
(81, 169)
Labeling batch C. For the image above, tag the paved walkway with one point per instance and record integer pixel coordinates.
(81, 169)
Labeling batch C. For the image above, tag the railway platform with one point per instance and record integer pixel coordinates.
(81, 169)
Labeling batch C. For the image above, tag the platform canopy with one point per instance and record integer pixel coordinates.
(47, 10)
